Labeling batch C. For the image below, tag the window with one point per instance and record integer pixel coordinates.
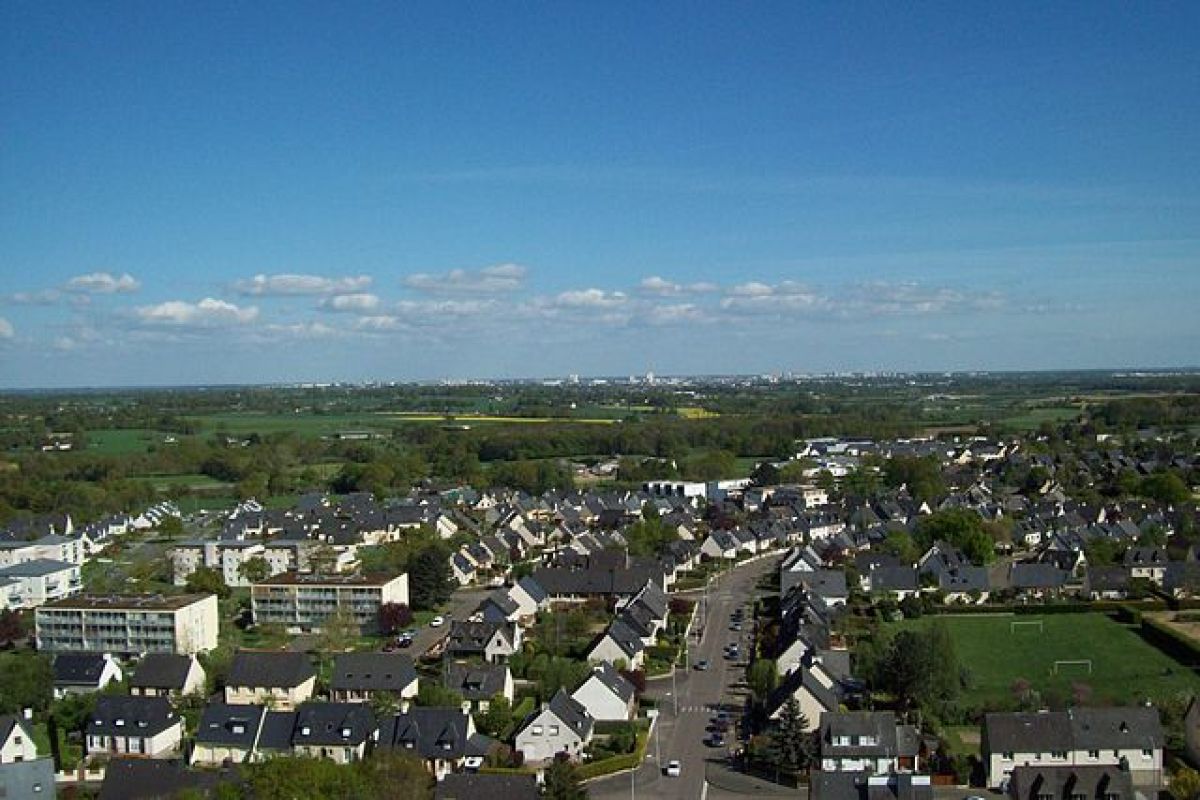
(1094, 755)
(1147, 754)
(537, 730)
(554, 730)
(1061, 755)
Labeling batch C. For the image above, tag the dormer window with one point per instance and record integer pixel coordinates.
(305, 731)
(120, 723)
(345, 733)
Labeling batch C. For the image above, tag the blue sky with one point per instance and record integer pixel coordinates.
(265, 192)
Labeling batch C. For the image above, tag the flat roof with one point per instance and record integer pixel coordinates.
(128, 602)
(312, 579)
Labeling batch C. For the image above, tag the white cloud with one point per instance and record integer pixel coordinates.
(382, 323)
(361, 303)
(589, 298)
(45, 297)
(787, 297)
(915, 299)
(302, 330)
(674, 314)
(286, 284)
(103, 283)
(6, 329)
(489, 280)
(661, 286)
(207, 313)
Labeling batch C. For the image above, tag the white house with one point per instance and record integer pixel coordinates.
(867, 741)
(562, 726)
(16, 740)
(1076, 737)
(123, 724)
(606, 695)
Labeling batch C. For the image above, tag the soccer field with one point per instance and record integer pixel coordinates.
(1123, 667)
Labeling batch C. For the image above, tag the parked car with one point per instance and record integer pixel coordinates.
(715, 740)
(437, 622)
(701, 665)
(674, 769)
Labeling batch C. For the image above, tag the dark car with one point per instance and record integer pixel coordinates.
(716, 740)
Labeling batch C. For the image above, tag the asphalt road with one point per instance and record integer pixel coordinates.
(687, 706)
(462, 605)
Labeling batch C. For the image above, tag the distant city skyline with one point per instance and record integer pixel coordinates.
(317, 193)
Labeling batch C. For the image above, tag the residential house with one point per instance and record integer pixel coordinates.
(1108, 782)
(1076, 737)
(29, 584)
(143, 726)
(442, 738)
(16, 740)
(479, 684)
(867, 741)
(81, 673)
(167, 675)
(157, 779)
(493, 642)
(561, 726)
(865, 786)
(281, 680)
(227, 734)
(358, 677)
(337, 731)
(606, 695)
(1037, 581)
(1147, 563)
(1106, 583)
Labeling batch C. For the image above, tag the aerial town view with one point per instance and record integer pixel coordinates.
(458, 401)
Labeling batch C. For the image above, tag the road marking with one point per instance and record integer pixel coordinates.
(704, 790)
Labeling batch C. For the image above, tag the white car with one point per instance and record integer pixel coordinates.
(437, 622)
(674, 769)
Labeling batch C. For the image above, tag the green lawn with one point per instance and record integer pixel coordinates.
(1125, 668)
(123, 442)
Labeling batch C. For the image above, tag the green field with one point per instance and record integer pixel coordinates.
(1125, 668)
(122, 442)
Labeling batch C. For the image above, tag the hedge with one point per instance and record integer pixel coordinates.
(608, 766)
(1171, 642)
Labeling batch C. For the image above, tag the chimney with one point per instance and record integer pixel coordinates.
(27, 714)
(404, 704)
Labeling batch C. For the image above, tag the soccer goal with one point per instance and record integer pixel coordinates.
(1025, 624)
(1073, 663)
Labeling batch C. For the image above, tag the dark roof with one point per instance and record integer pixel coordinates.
(78, 669)
(389, 672)
(234, 726)
(154, 779)
(161, 671)
(7, 723)
(572, 713)
(473, 637)
(1077, 729)
(860, 786)
(467, 786)
(1037, 576)
(128, 715)
(879, 725)
(613, 680)
(431, 732)
(887, 579)
(272, 670)
(333, 724)
(477, 681)
(277, 730)
(1030, 783)
(597, 580)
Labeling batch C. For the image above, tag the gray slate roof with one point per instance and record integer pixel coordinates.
(272, 670)
(388, 672)
(161, 671)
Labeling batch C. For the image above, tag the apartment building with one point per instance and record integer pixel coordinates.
(305, 601)
(29, 584)
(129, 625)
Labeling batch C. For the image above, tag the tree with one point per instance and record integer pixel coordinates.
(959, 527)
(394, 617)
(498, 718)
(12, 629)
(338, 631)
(255, 569)
(921, 668)
(25, 682)
(430, 578)
(322, 559)
(762, 678)
(562, 782)
(171, 526)
(794, 745)
(1184, 783)
(208, 580)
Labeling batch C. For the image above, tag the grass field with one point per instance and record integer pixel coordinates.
(122, 442)
(1125, 668)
